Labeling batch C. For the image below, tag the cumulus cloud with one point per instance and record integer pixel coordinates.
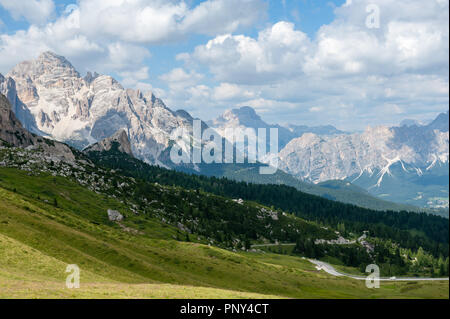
(348, 71)
(179, 79)
(34, 11)
(412, 37)
(113, 36)
(227, 91)
(156, 21)
(61, 36)
(278, 52)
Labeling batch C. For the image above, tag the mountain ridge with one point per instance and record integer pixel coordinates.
(52, 99)
(372, 153)
(120, 137)
(82, 111)
(246, 117)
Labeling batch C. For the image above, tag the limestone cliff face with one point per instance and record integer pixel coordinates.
(8, 88)
(85, 110)
(318, 158)
(12, 133)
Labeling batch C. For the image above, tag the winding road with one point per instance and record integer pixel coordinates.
(320, 265)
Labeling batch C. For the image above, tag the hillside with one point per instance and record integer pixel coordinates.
(38, 239)
(399, 226)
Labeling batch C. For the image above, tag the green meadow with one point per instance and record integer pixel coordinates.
(47, 223)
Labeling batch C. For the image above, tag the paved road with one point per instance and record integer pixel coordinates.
(332, 271)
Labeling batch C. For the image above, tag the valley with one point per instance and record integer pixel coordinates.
(152, 264)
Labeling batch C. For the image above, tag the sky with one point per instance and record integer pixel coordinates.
(349, 63)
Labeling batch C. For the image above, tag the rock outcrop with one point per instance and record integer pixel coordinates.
(120, 138)
(114, 215)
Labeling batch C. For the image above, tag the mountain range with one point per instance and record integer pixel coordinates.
(83, 110)
(246, 117)
(51, 99)
(406, 164)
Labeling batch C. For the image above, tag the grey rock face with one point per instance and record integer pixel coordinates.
(315, 158)
(8, 88)
(120, 137)
(82, 111)
(14, 134)
(386, 161)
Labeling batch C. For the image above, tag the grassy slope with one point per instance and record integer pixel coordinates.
(38, 240)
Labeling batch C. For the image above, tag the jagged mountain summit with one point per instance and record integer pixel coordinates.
(246, 117)
(406, 164)
(120, 138)
(81, 111)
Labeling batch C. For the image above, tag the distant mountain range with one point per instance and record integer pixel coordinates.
(246, 117)
(406, 164)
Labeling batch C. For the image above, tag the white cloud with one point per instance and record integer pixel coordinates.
(133, 78)
(34, 11)
(278, 52)
(66, 37)
(61, 36)
(348, 73)
(124, 57)
(227, 91)
(112, 36)
(223, 16)
(316, 109)
(354, 74)
(179, 79)
(156, 21)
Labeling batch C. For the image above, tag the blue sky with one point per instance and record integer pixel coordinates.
(304, 62)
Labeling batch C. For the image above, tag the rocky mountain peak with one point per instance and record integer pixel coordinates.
(83, 111)
(440, 123)
(120, 138)
(48, 63)
(52, 57)
(244, 115)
